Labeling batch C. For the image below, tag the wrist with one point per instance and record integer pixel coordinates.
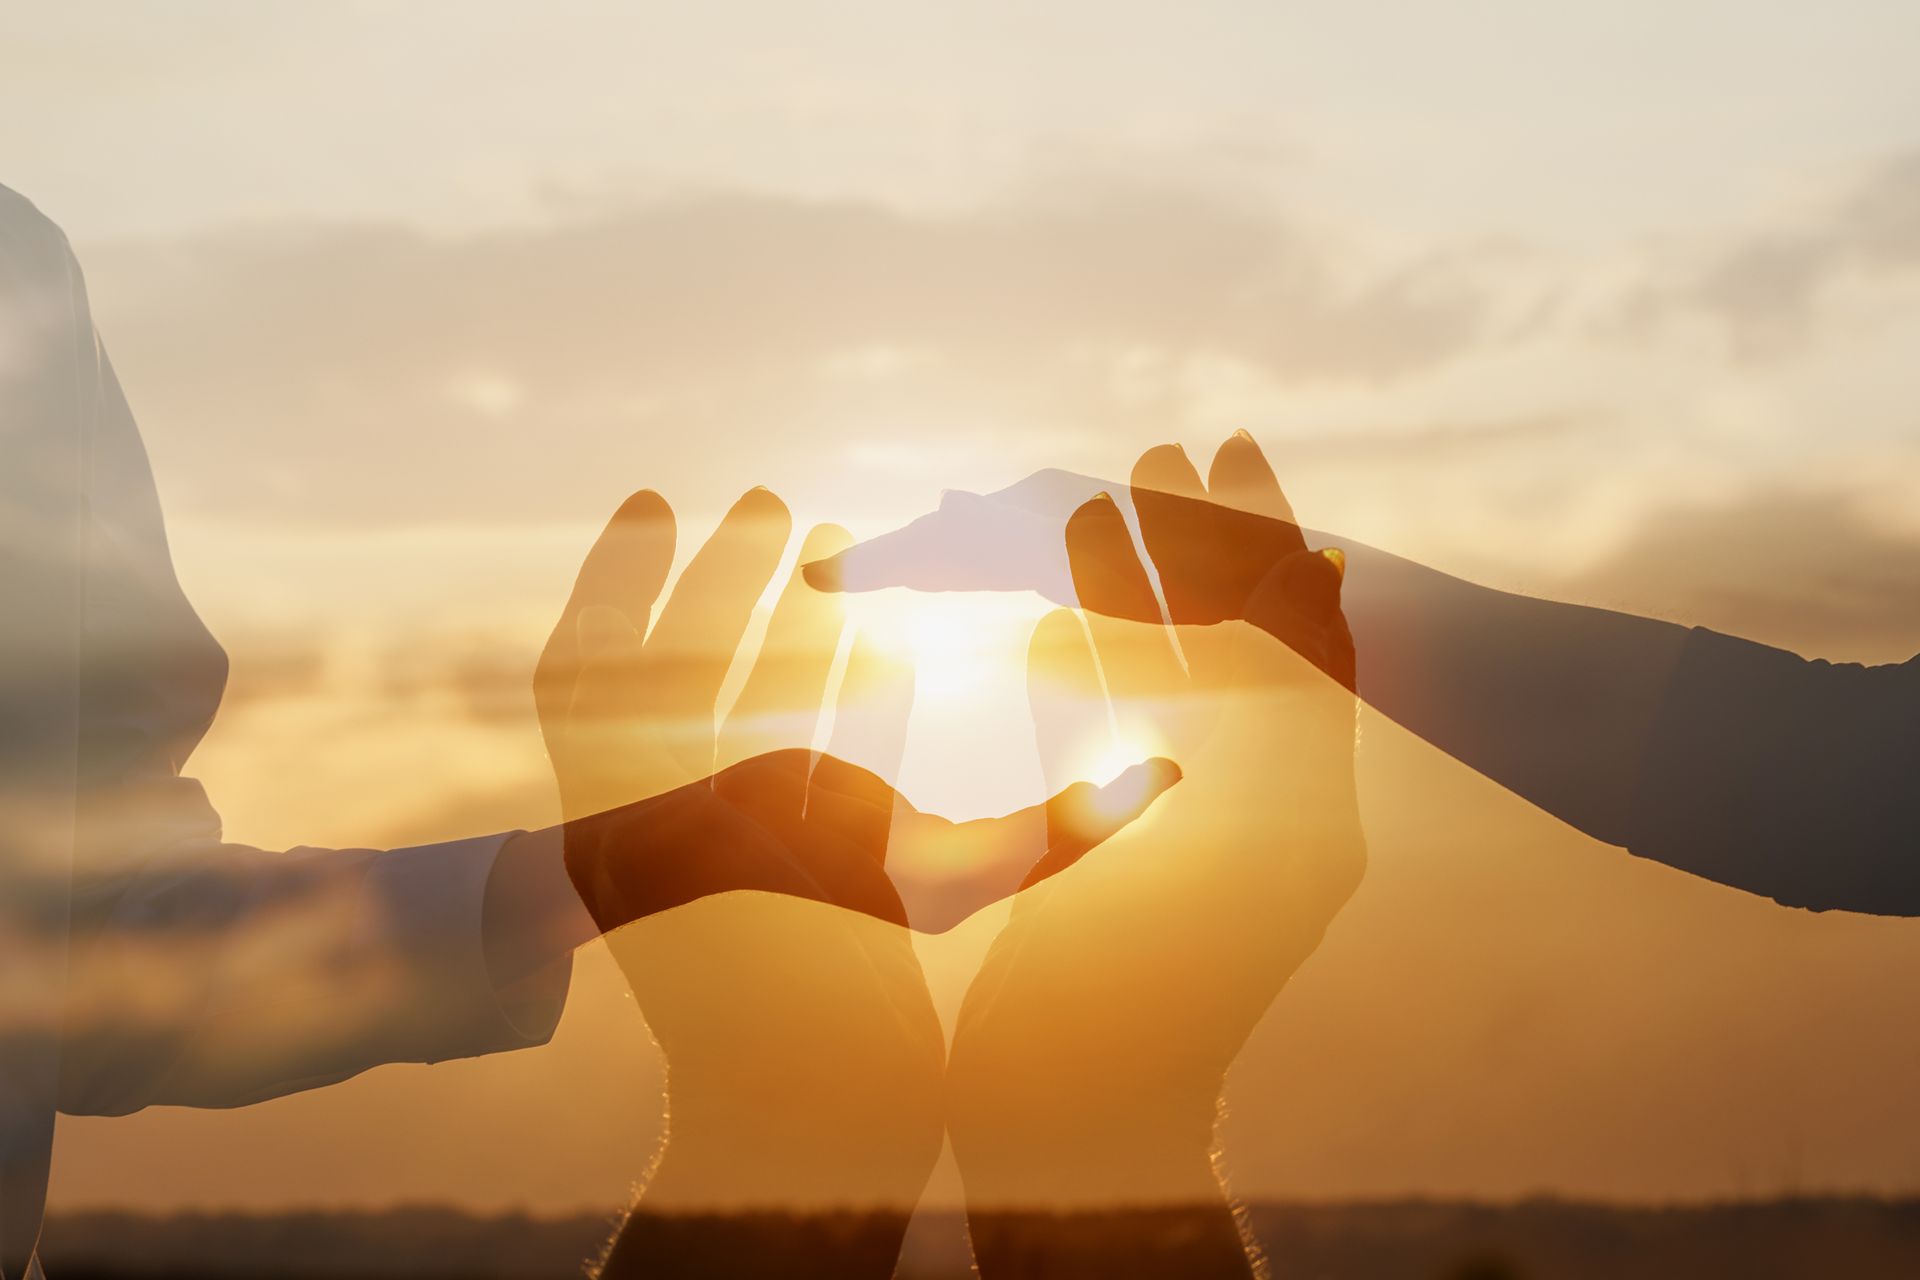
(531, 918)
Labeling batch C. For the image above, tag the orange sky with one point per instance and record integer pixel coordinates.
(397, 353)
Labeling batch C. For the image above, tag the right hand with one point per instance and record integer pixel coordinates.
(1214, 546)
(1091, 1050)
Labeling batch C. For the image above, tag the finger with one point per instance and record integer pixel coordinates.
(1084, 816)
(870, 720)
(1166, 468)
(1211, 551)
(1242, 478)
(1182, 533)
(693, 644)
(610, 654)
(970, 543)
(624, 570)
(1073, 729)
(587, 756)
(1008, 540)
(1123, 614)
(781, 702)
(1298, 603)
(1108, 577)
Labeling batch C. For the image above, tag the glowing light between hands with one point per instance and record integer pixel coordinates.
(951, 641)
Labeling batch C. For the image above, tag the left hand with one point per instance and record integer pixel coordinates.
(803, 1053)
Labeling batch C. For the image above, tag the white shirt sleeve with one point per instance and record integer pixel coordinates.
(221, 975)
(435, 895)
(200, 972)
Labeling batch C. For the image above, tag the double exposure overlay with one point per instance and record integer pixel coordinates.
(938, 640)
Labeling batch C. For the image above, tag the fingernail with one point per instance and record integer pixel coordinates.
(1241, 433)
(1338, 559)
(643, 502)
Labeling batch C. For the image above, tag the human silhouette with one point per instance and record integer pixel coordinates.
(145, 960)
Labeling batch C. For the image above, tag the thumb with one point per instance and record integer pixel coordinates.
(1305, 584)
(1298, 603)
(1084, 816)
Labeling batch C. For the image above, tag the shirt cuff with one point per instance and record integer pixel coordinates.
(435, 898)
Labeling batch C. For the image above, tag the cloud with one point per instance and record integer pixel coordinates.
(374, 373)
(1439, 439)
(1883, 220)
(1811, 572)
(1767, 288)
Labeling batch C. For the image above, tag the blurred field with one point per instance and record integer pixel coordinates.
(1799, 1239)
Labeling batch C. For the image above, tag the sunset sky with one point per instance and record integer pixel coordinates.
(1616, 304)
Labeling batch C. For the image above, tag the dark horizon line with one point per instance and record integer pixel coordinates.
(1543, 1199)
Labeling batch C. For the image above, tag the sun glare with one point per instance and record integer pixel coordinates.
(951, 641)
(1107, 755)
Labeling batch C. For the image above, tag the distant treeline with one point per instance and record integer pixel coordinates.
(1800, 1239)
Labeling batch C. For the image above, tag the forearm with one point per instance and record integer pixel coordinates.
(531, 918)
(1787, 777)
(1554, 701)
(217, 975)
(1730, 760)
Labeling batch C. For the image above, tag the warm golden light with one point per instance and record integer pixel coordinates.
(1483, 311)
(1106, 761)
(952, 642)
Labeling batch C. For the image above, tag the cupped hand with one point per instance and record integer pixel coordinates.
(628, 718)
(755, 918)
(751, 909)
(1091, 1050)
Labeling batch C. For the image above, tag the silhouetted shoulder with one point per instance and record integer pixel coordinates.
(25, 230)
(43, 300)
